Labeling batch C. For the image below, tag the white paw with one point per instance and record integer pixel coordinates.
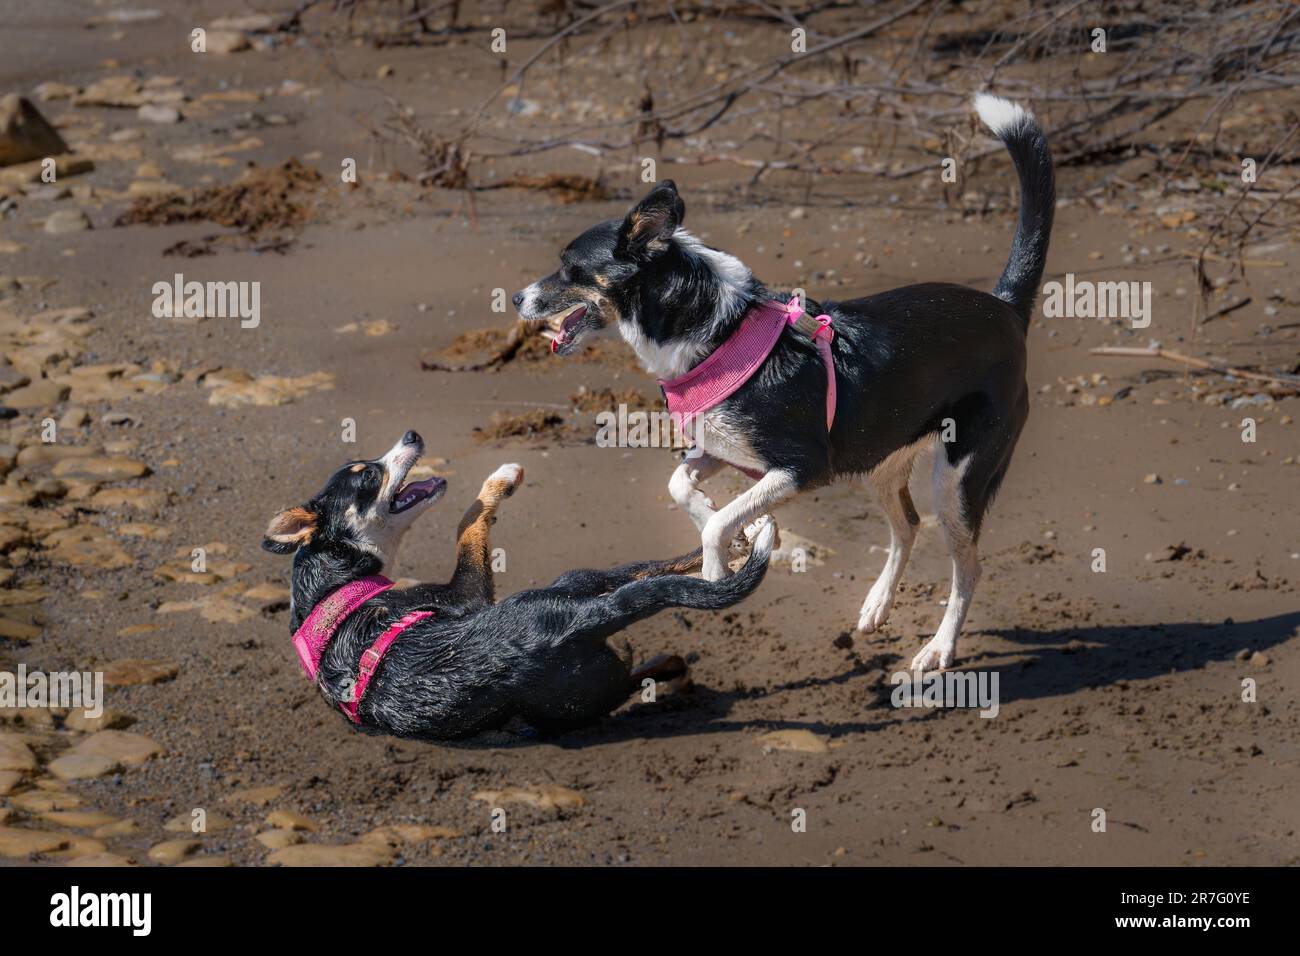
(765, 534)
(513, 475)
(937, 655)
(715, 566)
(876, 608)
(752, 531)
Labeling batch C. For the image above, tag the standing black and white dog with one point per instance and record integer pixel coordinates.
(911, 364)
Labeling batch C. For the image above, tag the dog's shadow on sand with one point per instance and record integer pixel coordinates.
(1044, 663)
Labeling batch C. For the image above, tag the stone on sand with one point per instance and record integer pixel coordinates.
(17, 844)
(184, 823)
(99, 860)
(82, 767)
(801, 740)
(45, 801)
(172, 851)
(40, 394)
(324, 854)
(158, 113)
(290, 820)
(79, 819)
(547, 796)
(279, 839)
(24, 133)
(101, 469)
(81, 721)
(63, 221)
(15, 754)
(121, 746)
(86, 546)
(133, 671)
(225, 42)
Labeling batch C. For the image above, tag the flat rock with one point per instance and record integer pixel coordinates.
(397, 834)
(226, 42)
(121, 746)
(547, 796)
(82, 722)
(132, 672)
(290, 820)
(82, 767)
(184, 823)
(158, 113)
(324, 854)
(123, 92)
(207, 859)
(136, 499)
(267, 390)
(64, 221)
(100, 469)
(45, 801)
(113, 830)
(24, 133)
(8, 780)
(279, 839)
(219, 610)
(79, 819)
(46, 455)
(172, 851)
(18, 844)
(256, 796)
(86, 546)
(99, 860)
(15, 754)
(801, 740)
(40, 394)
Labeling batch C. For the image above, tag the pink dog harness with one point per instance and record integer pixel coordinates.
(326, 617)
(736, 359)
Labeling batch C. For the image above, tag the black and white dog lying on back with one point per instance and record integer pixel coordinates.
(909, 364)
(472, 664)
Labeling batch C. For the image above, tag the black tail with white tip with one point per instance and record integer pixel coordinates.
(1025, 141)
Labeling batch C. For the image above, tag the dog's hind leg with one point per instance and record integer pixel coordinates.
(684, 488)
(967, 473)
(889, 480)
(472, 579)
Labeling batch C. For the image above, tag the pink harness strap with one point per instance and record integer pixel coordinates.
(371, 657)
(310, 639)
(735, 360)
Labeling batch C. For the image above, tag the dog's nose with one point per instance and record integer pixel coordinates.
(517, 299)
(412, 438)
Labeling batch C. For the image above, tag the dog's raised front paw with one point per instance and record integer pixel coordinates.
(508, 477)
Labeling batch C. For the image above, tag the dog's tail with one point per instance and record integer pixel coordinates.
(1025, 141)
(639, 599)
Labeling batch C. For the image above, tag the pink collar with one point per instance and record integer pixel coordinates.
(326, 617)
(735, 360)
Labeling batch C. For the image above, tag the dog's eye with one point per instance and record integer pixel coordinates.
(370, 476)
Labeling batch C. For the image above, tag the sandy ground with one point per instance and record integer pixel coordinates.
(1119, 690)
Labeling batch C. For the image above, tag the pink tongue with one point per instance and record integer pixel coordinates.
(567, 325)
(573, 318)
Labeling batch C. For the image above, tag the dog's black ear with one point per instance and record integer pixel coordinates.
(651, 222)
(289, 530)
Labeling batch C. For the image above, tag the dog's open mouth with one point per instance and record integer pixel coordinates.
(412, 493)
(560, 328)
